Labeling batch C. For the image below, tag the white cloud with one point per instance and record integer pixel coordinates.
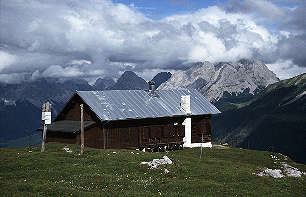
(58, 71)
(285, 69)
(80, 62)
(12, 77)
(94, 38)
(6, 60)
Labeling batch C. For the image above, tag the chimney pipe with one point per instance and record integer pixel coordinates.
(151, 86)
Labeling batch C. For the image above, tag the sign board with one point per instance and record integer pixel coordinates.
(185, 103)
(43, 115)
(47, 117)
(46, 107)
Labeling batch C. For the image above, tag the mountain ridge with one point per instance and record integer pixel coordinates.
(232, 77)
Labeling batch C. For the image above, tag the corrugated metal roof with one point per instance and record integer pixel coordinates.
(132, 104)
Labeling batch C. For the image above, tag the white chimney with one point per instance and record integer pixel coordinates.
(185, 104)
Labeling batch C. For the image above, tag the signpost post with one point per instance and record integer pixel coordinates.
(202, 141)
(46, 118)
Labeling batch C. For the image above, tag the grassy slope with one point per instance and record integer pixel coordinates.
(222, 172)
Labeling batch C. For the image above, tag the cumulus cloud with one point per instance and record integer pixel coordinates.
(6, 59)
(288, 23)
(286, 69)
(68, 39)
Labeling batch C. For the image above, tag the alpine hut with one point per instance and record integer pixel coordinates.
(134, 119)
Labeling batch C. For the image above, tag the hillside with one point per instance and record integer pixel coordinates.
(274, 120)
(18, 119)
(221, 172)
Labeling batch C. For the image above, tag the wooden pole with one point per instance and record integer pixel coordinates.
(44, 138)
(46, 107)
(82, 129)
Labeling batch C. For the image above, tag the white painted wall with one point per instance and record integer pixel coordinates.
(185, 107)
(187, 138)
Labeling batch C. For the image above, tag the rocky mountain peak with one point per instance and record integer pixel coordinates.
(214, 80)
(161, 78)
(200, 71)
(103, 84)
(130, 81)
(245, 61)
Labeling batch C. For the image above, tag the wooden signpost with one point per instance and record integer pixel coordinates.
(46, 119)
(82, 129)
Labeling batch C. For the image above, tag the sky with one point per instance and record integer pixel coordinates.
(103, 38)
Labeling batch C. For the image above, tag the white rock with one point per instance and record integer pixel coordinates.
(291, 171)
(157, 162)
(67, 149)
(275, 173)
(167, 160)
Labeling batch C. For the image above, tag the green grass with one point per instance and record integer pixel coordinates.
(221, 172)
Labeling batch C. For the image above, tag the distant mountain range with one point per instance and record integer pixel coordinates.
(18, 119)
(275, 120)
(214, 81)
(39, 91)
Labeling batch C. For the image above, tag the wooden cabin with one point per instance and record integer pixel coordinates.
(131, 119)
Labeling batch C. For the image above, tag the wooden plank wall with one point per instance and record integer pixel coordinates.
(140, 136)
(200, 125)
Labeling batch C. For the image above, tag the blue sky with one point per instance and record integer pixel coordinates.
(100, 38)
(157, 9)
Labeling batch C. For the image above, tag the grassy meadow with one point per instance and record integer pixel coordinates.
(220, 172)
